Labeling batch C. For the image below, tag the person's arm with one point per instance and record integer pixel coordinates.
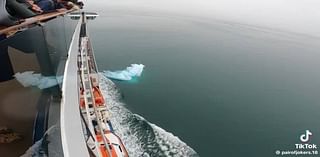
(19, 10)
(34, 7)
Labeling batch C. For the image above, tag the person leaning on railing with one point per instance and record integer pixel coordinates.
(22, 8)
(29, 8)
(51, 5)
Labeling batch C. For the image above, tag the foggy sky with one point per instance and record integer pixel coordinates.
(298, 16)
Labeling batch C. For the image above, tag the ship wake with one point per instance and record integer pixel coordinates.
(141, 138)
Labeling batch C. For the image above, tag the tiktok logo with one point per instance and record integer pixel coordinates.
(305, 137)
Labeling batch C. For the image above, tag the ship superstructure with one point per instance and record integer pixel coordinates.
(98, 131)
(75, 111)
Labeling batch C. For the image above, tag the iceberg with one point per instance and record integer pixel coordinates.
(135, 70)
(29, 78)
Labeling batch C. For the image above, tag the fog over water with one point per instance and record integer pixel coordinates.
(229, 78)
(286, 15)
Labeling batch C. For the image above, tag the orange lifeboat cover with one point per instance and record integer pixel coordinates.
(99, 100)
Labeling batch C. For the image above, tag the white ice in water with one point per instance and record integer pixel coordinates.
(134, 70)
(29, 78)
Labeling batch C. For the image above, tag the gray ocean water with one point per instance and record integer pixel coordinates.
(224, 88)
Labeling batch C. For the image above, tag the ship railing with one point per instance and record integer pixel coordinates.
(86, 56)
(28, 22)
(72, 135)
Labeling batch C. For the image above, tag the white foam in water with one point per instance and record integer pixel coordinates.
(134, 70)
(29, 78)
(141, 138)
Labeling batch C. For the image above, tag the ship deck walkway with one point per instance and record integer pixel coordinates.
(18, 105)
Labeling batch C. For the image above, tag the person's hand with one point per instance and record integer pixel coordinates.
(61, 9)
(34, 7)
(73, 6)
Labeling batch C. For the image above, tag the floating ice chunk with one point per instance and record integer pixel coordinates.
(47, 82)
(135, 70)
(29, 78)
(118, 75)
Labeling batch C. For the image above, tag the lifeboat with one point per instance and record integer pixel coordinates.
(100, 137)
(98, 97)
(82, 102)
(116, 147)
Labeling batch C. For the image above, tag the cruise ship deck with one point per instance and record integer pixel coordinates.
(19, 105)
(40, 45)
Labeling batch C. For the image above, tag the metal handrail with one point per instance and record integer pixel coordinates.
(35, 20)
(72, 136)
